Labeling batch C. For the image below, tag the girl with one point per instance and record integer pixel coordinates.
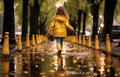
(59, 26)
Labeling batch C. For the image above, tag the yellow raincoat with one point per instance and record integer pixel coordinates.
(59, 26)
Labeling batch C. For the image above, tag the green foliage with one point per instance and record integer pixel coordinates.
(18, 12)
(47, 11)
(1, 6)
(71, 8)
(117, 12)
(1, 15)
(101, 9)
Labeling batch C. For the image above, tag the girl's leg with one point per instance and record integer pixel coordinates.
(61, 42)
(58, 42)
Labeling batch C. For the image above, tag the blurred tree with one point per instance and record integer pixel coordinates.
(85, 11)
(78, 15)
(8, 22)
(79, 21)
(34, 13)
(95, 5)
(41, 14)
(83, 16)
(1, 22)
(108, 17)
(24, 18)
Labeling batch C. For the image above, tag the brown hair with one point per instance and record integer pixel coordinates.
(61, 11)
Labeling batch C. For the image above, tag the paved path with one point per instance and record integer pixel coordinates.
(114, 50)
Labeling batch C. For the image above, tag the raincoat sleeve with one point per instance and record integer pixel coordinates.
(51, 27)
(68, 26)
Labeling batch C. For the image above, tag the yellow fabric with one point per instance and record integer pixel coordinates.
(59, 47)
(59, 25)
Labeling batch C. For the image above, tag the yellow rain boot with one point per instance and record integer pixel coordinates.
(59, 47)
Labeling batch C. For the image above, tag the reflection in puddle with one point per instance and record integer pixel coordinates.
(6, 67)
(68, 65)
(60, 71)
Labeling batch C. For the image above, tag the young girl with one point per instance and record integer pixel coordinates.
(59, 26)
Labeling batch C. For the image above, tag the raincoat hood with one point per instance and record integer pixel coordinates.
(60, 18)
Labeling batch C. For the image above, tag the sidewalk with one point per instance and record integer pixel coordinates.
(115, 51)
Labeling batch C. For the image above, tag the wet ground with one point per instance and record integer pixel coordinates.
(74, 61)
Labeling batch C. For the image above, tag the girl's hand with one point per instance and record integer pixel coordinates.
(74, 32)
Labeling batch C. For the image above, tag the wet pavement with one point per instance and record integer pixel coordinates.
(74, 61)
